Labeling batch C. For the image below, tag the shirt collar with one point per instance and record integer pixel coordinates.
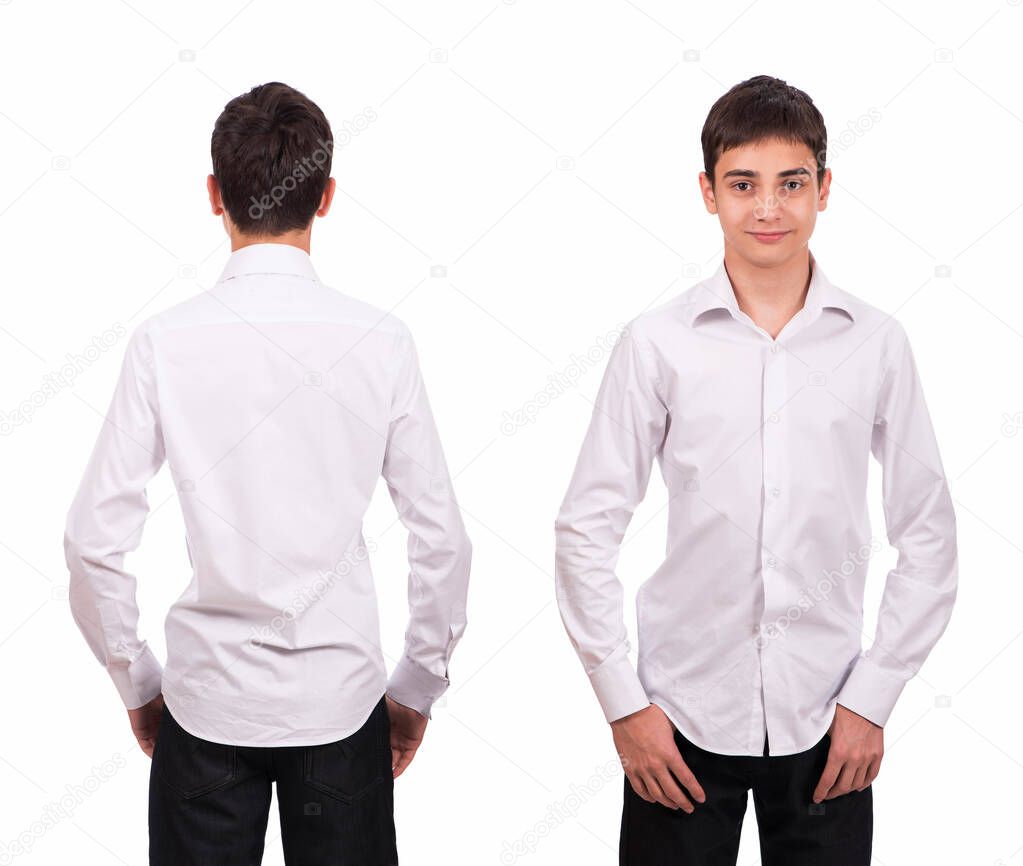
(269, 258)
(717, 293)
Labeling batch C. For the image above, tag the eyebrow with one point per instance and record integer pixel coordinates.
(745, 172)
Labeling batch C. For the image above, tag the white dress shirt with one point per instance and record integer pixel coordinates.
(277, 403)
(753, 622)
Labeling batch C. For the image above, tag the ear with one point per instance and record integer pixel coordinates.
(328, 197)
(213, 189)
(707, 191)
(825, 191)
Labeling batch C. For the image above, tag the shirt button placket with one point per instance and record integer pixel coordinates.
(773, 420)
(773, 454)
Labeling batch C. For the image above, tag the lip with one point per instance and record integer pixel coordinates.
(769, 237)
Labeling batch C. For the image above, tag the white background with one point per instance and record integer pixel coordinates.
(545, 157)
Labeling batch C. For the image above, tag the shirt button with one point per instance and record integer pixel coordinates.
(773, 417)
(771, 562)
(775, 348)
(775, 491)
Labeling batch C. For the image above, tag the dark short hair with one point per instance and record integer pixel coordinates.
(760, 108)
(272, 150)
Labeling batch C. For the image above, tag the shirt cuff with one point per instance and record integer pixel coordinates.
(411, 685)
(870, 691)
(140, 681)
(618, 689)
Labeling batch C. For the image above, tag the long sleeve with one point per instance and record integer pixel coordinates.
(105, 523)
(439, 551)
(626, 430)
(920, 591)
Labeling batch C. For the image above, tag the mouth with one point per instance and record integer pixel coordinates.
(768, 237)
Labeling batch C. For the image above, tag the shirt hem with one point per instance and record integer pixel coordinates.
(674, 718)
(192, 722)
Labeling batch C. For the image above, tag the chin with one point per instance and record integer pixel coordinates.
(766, 255)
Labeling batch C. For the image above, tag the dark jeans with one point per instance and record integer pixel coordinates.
(794, 831)
(209, 802)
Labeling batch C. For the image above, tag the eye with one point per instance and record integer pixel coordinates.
(744, 183)
(798, 185)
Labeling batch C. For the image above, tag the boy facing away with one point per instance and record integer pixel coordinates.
(277, 402)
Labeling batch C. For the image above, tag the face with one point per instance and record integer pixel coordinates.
(766, 198)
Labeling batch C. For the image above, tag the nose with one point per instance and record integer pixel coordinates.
(768, 210)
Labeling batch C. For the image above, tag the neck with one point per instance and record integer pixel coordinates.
(776, 290)
(299, 238)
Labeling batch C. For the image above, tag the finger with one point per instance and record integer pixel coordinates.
(827, 780)
(673, 792)
(685, 776)
(844, 783)
(873, 770)
(405, 757)
(639, 787)
(655, 791)
(859, 780)
(396, 754)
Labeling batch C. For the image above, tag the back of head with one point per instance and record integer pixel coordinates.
(272, 149)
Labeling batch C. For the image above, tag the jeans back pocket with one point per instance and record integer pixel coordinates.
(189, 765)
(348, 768)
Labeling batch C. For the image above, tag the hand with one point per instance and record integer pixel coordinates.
(145, 722)
(407, 729)
(854, 758)
(645, 741)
